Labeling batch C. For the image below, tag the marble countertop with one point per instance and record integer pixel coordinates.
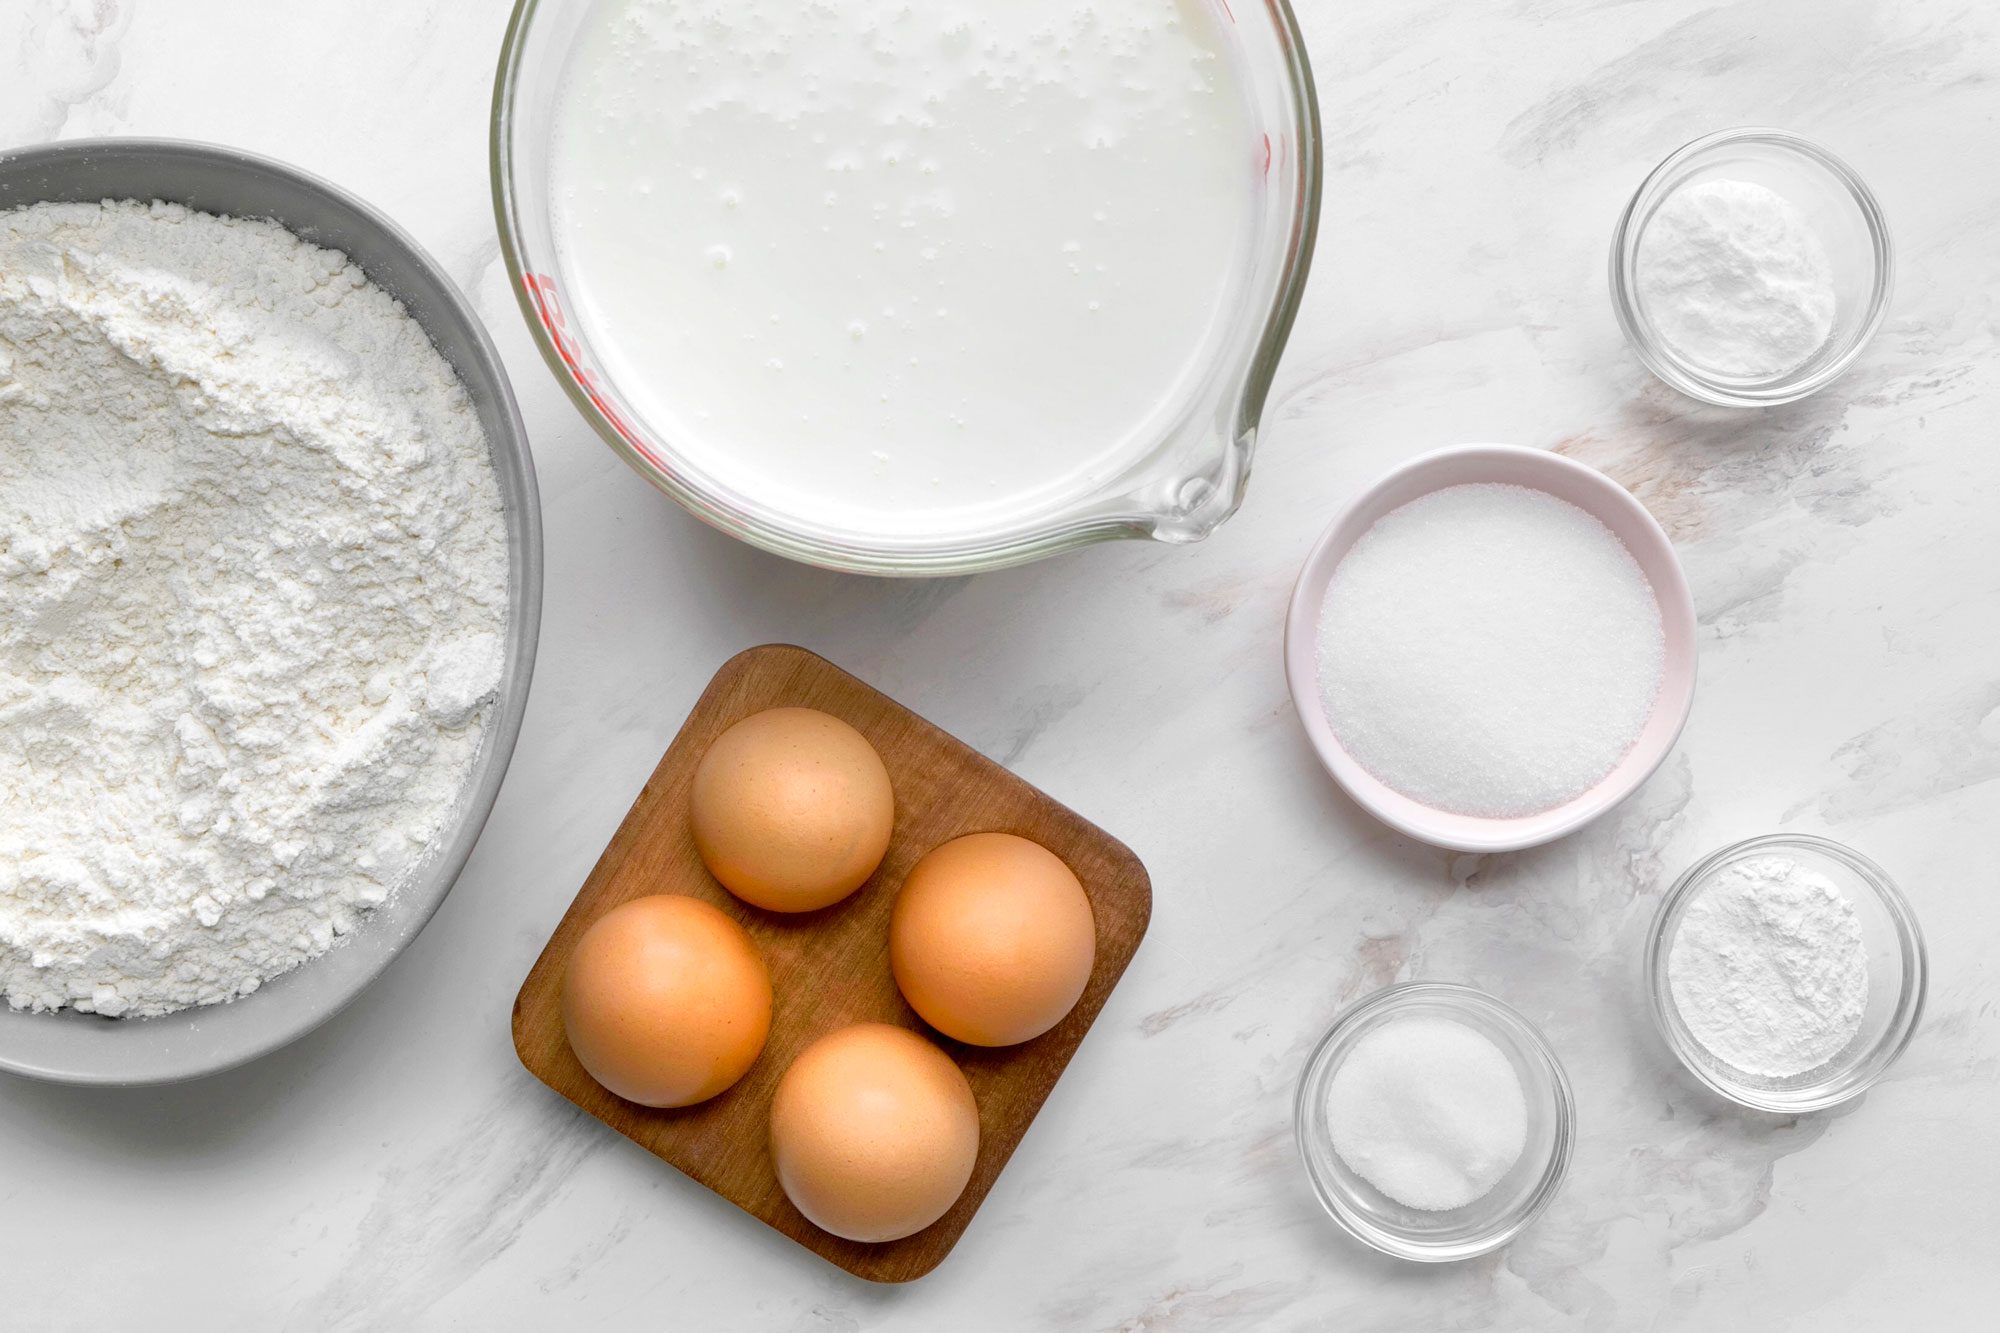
(398, 1169)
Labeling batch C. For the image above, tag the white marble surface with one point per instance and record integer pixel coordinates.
(397, 1169)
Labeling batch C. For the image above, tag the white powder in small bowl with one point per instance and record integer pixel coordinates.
(1489, 650)
(1428, 1111)
(1769, 969)
(1734, 279)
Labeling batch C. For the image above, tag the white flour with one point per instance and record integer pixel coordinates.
(1734, 279)
(252, 599)
(1769, 970)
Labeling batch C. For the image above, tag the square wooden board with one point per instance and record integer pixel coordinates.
(831, 968)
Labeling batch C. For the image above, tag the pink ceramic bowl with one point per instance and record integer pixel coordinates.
(1589, 490)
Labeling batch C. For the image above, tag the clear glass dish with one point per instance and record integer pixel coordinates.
(1178, 490)
(1896, 979)
(1487, 1223)
(1840, 208)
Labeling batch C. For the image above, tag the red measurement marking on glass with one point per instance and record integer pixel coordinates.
(1267, 154)
(548, 305)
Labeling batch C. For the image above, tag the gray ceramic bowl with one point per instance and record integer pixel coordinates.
(83, 1048)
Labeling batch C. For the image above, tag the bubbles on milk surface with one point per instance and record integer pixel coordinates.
(962, 211)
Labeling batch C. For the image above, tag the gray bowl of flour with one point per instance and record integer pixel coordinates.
(78, 1047)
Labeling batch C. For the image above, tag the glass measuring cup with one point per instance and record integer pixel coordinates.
(1184, 477)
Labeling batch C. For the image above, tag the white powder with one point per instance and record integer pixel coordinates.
(1489, 650)
(252, 596)
(1733, 278)
(1768, 969)
(1428, 1111)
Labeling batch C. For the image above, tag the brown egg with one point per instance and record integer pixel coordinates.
(666, 1000)
(791, 809)
(874, 1132)
(992, 939)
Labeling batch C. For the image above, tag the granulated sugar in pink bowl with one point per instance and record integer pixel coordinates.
(1492, 647)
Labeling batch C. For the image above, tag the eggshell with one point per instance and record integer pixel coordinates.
(666, 1001)
(791, 809)
(874, 1132)
(992, 939)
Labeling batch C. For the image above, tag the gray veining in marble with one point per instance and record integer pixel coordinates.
(397, 1169)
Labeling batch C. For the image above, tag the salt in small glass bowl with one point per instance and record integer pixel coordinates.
(1897, 969)
(1503, 1212)
(1836, 203)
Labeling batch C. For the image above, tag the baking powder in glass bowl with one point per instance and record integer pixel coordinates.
(1769, 969)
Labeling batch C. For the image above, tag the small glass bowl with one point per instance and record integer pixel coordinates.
(1488, 1222)
(1896, 976)
(1837, 204)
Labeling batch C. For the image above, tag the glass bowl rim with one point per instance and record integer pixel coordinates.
(1887, 1049)
(1101, 519)
(1679, 374)
(1307, 1116)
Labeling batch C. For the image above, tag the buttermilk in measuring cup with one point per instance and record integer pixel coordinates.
(905, 269)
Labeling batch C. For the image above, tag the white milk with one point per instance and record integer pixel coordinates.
(905, 266)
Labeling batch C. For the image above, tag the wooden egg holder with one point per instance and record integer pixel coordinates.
(831, 967)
